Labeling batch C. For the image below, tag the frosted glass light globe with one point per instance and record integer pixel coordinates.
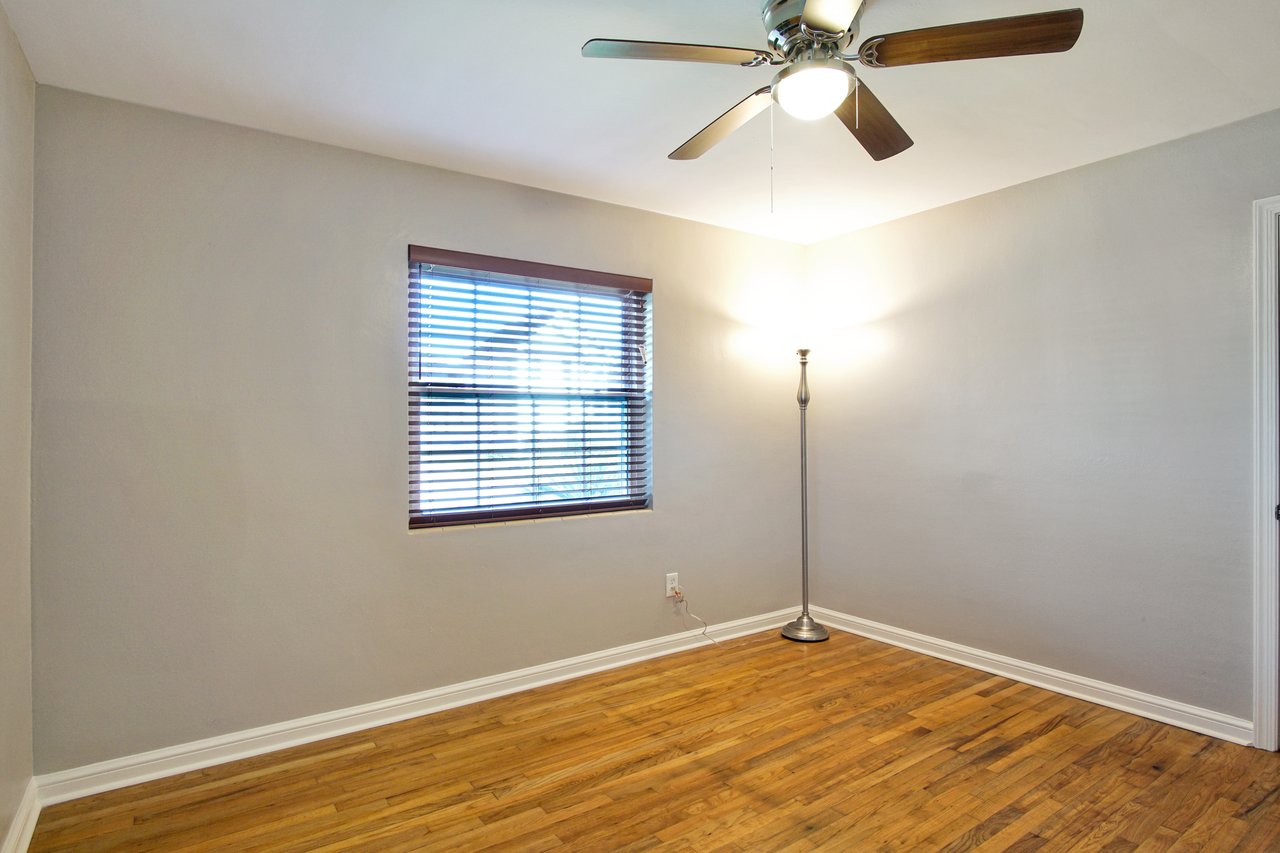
(812, 89)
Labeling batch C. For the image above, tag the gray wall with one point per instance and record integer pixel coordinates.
(220, 416)
(17, 135)
(1039, 443)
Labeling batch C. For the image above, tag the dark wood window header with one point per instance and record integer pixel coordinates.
(508, 266)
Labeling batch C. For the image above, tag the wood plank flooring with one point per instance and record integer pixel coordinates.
(761, 744)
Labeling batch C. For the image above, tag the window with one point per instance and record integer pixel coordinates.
(529, 390)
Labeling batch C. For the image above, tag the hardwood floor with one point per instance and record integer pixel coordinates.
(761, 744)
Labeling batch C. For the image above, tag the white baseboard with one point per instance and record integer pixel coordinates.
(143, 767)
(18, 838)
(132, 769)
(1179, 714)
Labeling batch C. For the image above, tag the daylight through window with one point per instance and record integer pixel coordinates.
(529, 390)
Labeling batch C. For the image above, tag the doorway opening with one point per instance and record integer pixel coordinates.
(1266, 555)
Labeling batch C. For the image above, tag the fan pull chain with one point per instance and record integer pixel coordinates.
(857, 104)
(771, 105)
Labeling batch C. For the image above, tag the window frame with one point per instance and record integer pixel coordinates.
(557, 275)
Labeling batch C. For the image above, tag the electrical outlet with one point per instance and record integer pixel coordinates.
(673, 581)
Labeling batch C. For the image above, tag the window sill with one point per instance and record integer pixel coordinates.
(551, 519)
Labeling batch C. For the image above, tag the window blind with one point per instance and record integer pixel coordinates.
(528, 396)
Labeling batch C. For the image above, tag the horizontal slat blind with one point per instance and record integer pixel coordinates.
(527, 396)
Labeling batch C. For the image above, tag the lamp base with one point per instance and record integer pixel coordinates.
(804, 630)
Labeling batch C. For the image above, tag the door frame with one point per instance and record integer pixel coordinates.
(1266, 556)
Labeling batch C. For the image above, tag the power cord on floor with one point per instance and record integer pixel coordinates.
(682, 605)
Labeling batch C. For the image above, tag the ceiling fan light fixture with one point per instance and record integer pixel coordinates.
(813, 88)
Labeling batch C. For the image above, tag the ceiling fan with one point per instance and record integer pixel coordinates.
(807, 38)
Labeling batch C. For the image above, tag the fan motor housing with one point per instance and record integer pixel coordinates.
(782, 23)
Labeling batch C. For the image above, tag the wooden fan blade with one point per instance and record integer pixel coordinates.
(872, 125)
(830, 16)
(624, 49)
(733, 118)
(1046, 32)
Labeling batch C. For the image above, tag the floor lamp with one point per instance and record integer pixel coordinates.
(803, 629)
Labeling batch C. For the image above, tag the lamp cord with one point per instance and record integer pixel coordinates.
(683, 605)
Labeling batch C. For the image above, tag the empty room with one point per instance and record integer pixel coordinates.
(560, 425)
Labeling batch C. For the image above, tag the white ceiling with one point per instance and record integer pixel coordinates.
(498, 88)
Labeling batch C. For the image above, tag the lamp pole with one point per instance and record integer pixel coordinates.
(803, 629)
